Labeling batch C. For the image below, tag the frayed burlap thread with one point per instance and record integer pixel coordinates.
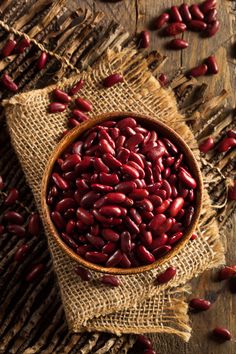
(136, 306)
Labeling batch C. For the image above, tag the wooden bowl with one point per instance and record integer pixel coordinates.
(147, 121)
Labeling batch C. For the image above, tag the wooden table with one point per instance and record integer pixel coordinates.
(135, 15)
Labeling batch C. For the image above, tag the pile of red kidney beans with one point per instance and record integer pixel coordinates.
(122, 194)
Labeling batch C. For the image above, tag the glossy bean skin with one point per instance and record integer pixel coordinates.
(166, 276)
(61, 96)
(110, 280)
(212, 65)
(178, 44)
(83, 273)
(8, 83)
(161, 21)
(11, 197)
(21, 253)
(175, 15)
(35, 273)
(222, 333)
(34, 224)
(206, 145)
(8, 48)
(13, 217)
(75, 89)
(212, 29)
(144, 39)
(185, 13)
(196, 12)
(175, 28)
(197, 25)
(144, 255)
(199, 70)
(18, 230)
(112, 80)
(199, 304)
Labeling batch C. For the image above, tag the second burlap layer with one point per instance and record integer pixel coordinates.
(137, 305)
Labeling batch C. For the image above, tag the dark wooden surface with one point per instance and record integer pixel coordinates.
(136, 15)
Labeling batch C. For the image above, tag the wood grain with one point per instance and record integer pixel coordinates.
(136, 15)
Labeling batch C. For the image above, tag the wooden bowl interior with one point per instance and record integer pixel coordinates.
(151, 123)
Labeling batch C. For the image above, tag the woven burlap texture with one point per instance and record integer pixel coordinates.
(137, 305)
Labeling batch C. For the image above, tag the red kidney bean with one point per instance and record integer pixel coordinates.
(143, 341)
(95, 240)
(109, 247)
(100, 166)
(167, 187)
(89, 140)
(79, 115)
(159, 241)
(232, 191)
(69, 241)
(110, 235)
(61, 96)
(115, 133)
(144, 255)
(120, 141)
(227, 272)
(21, 253)
(11, 197)
(96, 257)
(161, 193)
(178, 44)
(138, 168)
(132, 226)
(109, 123)
(189, 215)
(163, 207)
(196, 12)
(161, 20)
(69, 176)
(146, 215)
(135, 216)
(198, 71)
(84, 273)
(166, 276)
(114, 259)
(125, 187)
(176, 206)
(206, 145)
(104, 220)
(123, 211)
(136, 158)
(8, 83)
(42, 61)
(85, 216)
(169, 161)
(101, 187)
(82, 185)
(212, 28)
(70, 213)
(83, 105)
(149, 146)
(208, 5)
(141, 130)
(110, 210)
(231, 133)
(70, 162)
(81, 250)
(156, 153)
(222, 333)
(13, 217)
(163, 80)
(211, 16)
(138, 194)
(200, 304)
(8, 48)
(70, 227)
(191, 195)
(226, 144)
(115, 198)
(22, 45)
(144, 39)
(126, 122)
(105, 147)
(176, 227)
(125, 262)
(112, 80)
(187, 179)
(156, 200)
(56, 107)
(35, 272)
(128, 132)
(58, 220)
(185, 13)
(110, 280)
(59, 181)
(146, 238)
(125, 242)
(158, 220)
(193, 237)
(163, 228)
(174, 192)
(197, 25)
(175, 28)
(212, 65)
(161, 251)
(77, 147)
(175, 15)
(34, 224)
(111, 161)
(130, 171)
(75, 89)
(88, 200)
(94, 229)
(134, 140)
(109, 179)
(123, 155)
(144, 204)
(175, 238)
(65, 204)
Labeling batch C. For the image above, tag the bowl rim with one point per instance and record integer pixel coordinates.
(73, 135)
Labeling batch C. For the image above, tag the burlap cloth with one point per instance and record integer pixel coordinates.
(136, 306)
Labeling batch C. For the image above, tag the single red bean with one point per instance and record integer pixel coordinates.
(222, 333)
(123, 155)
(8, 48)
(227, 272)
(167, 187)
(226, 144)
(174, 192)
(88, 200)
(136, 158)
(114, 259)
(83, 105)
(23, 44)
(231, 133)
(112, 80)
(95, 240)
(144, 255)
(84, 273)
(58, 220)
(110, 210)
(132, 226)
(134, 140)
(111, 161)
(70, 227)
(79, 115)
(59, 181)
(175, 238)
(128, 132)
(104, 220)
(61, 96)
(178, 44)
(196, 12)
(161, 20)
(232, 191)
(135, 216)
(82, 185)
(125, 262)
(211, 16)
(139, 194)
(115, 198)
(125, 242)
(146, 238)
(161, 251)
(109, 123)
(169, 161)
(159, 241)
(144, 342)
(141, 130)
(35, 272)
(198, 70)
(163, 207)
(75, 89)
(34, 224)
(11, 197)
(163, 79)
(176, 205)
(185, 13)
(175, 15)
(144, 204)
(125, 187)
(109, 248)
(126, 122)
(21, 253)
(138, 168)
(175, 28)
(197, 25)
(56, 107)
(109, 179)
(104, 135)
(158, 220)
(212, 28)
(176, 227)
(13, 217)
(105, 147)
(65, 204)
(166, 276)
(193, 237)
(81, 250)
(69, 241)
(206, 145)
(130, 171)
(120, 141)
(100, 166)
(8, 83)
(156, 200)
(110, 280)
(77, 147)
(94, 229)
(115, 133)
(200, 304)
(144, 39)
(154, 188)
(85, 216)
(212, 65)
(70, 162)
(101, 187)
(208, 5)
(189, 215)
(187, 179)
(146, 215)
(42, 61)
(110, 235)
